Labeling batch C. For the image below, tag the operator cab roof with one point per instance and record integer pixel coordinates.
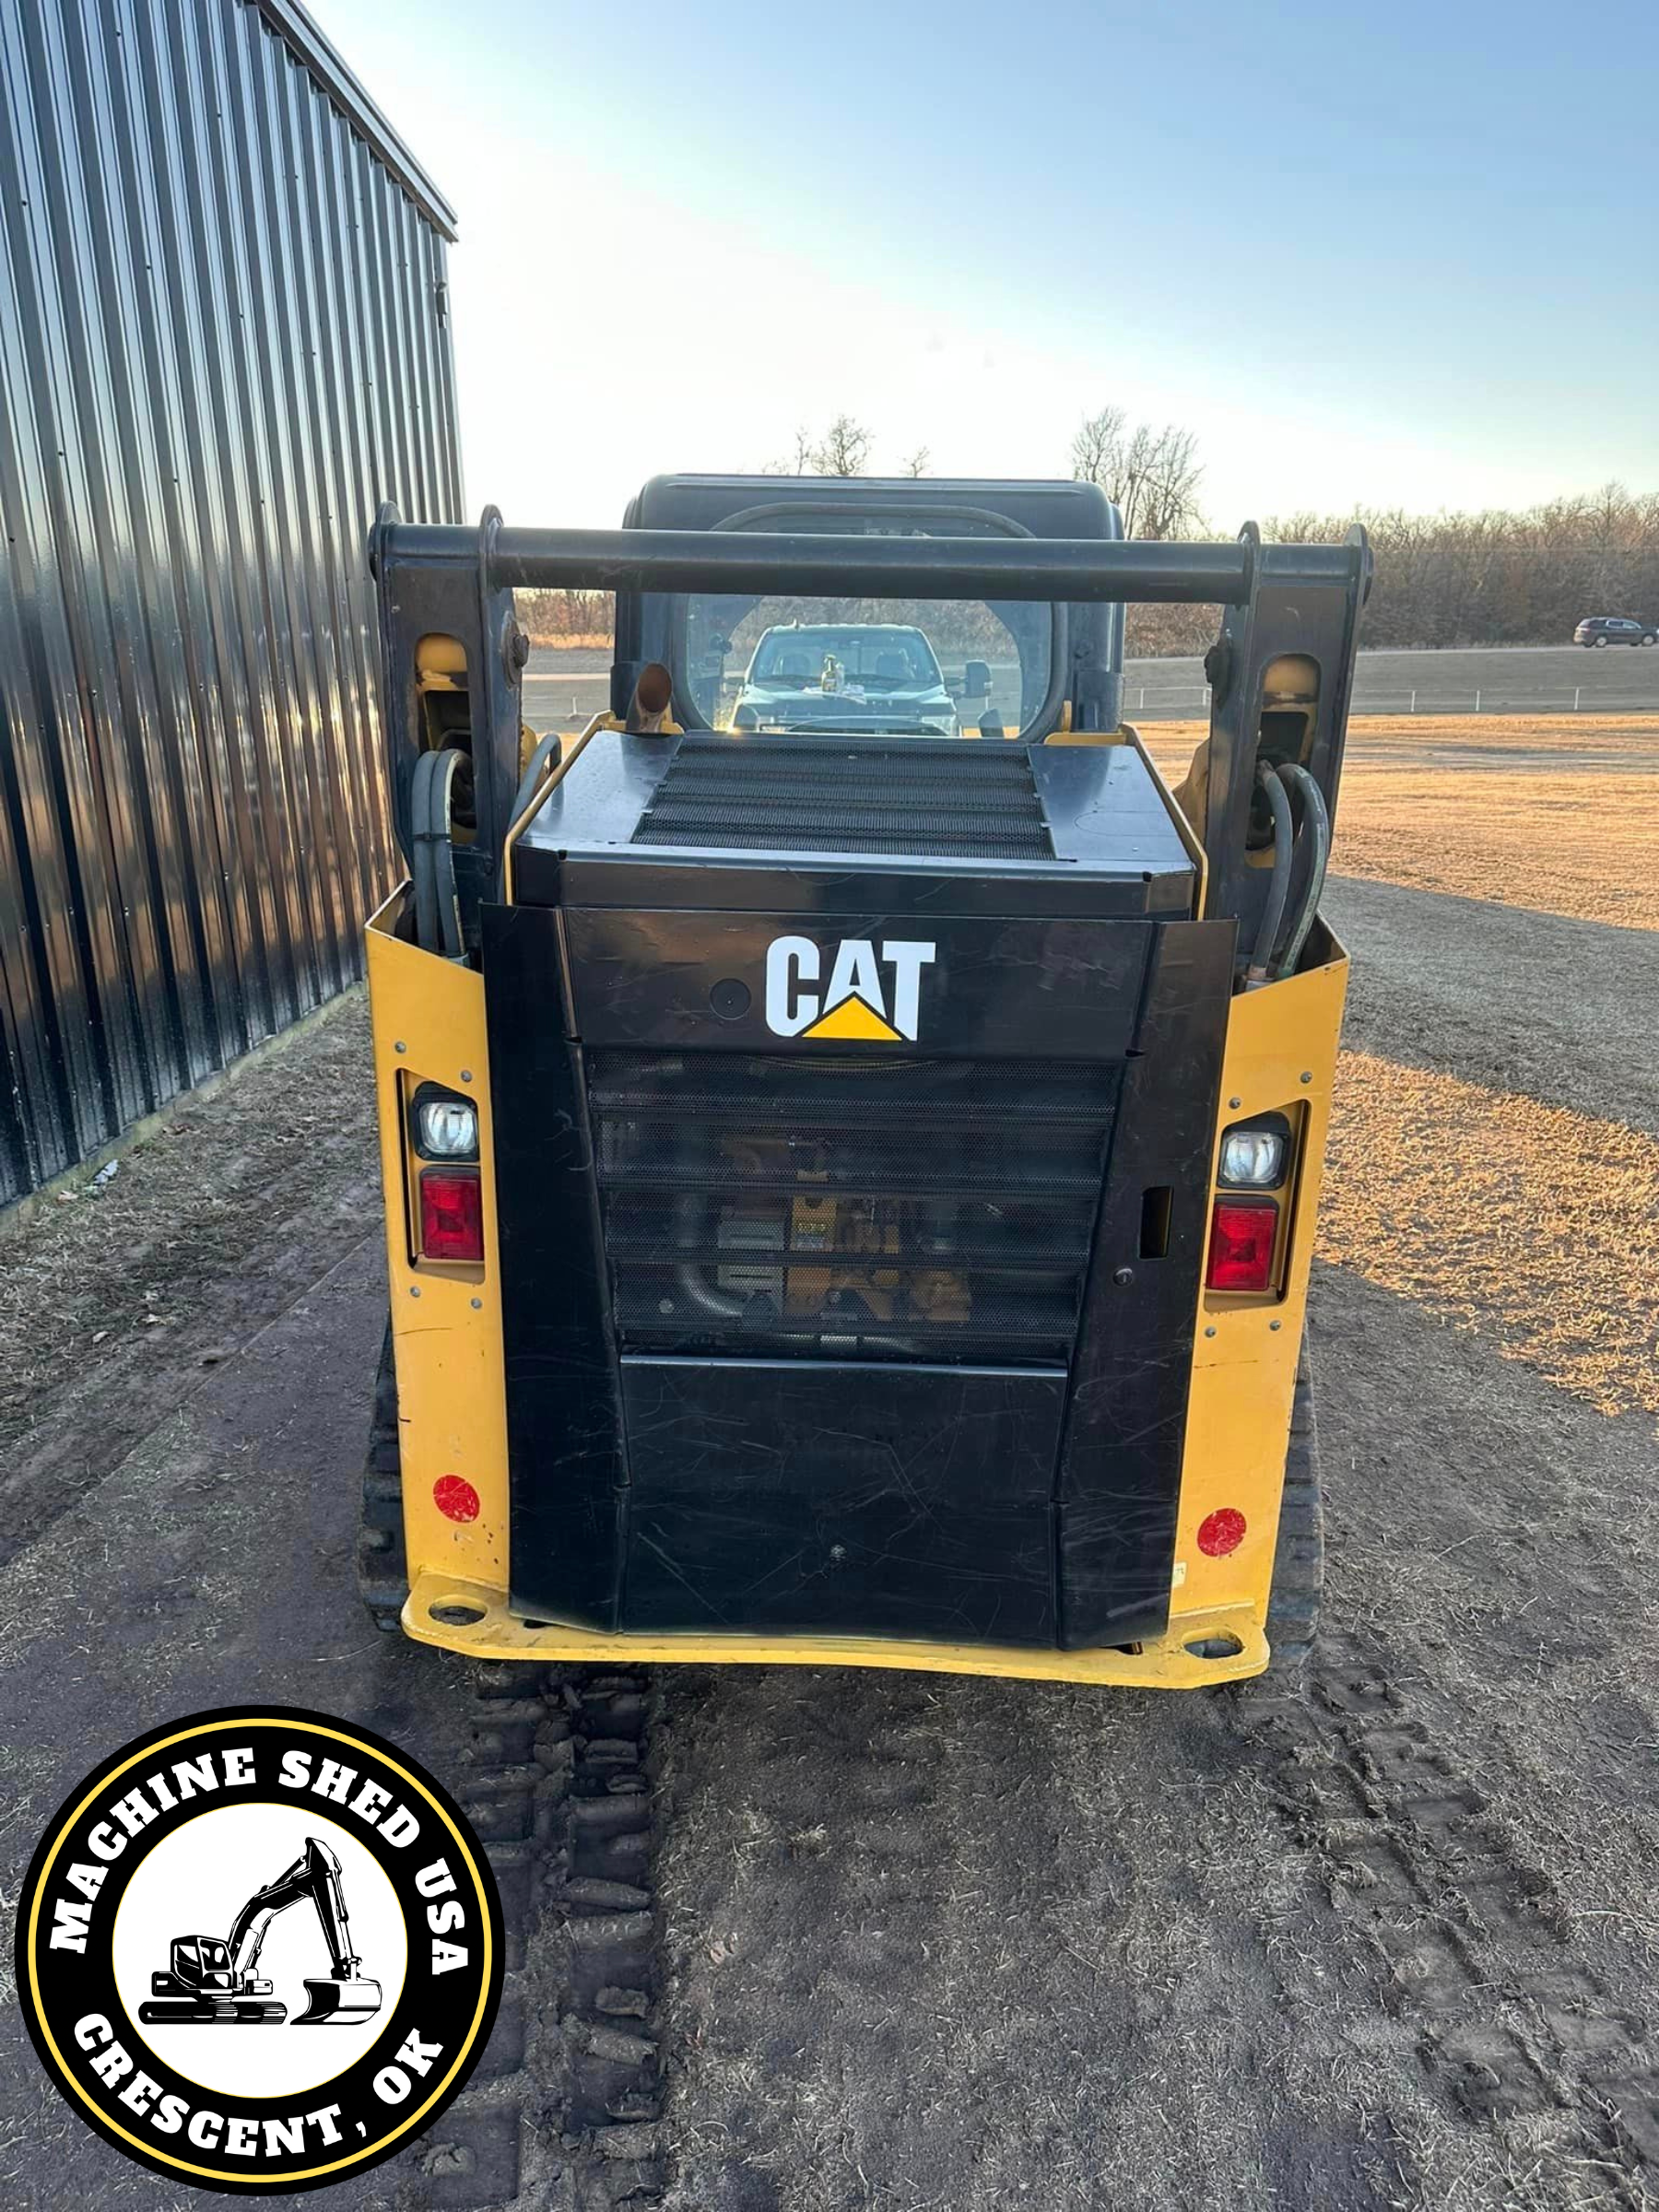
(1043, 506)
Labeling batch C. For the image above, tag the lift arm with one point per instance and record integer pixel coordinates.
(314, 1874)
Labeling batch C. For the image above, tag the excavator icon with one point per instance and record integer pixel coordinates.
(215, 1979)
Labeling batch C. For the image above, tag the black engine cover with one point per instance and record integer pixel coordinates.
(822, 1179)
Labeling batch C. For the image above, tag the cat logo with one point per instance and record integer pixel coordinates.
(855, 1007)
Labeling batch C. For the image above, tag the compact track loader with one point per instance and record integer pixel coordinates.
(852, 1135)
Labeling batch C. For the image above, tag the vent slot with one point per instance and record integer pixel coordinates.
(864, 1207)
(954, 799)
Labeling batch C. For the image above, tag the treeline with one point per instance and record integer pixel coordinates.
(567, 617)
(1496, 578)
(1499, 578)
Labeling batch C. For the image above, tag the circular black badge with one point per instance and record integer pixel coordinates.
(258, 1949)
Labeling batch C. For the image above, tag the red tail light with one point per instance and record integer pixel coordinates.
(451, 1215)
(1244, 1232)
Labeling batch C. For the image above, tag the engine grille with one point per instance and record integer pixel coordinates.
(850, 794)
(865, 1208)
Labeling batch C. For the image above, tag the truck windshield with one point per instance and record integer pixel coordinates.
(922, 668)
(884, 658)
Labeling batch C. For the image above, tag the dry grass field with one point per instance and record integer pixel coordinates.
(1531, 1222)
(1556, 816)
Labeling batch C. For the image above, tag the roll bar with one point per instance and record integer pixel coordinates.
(820, 565)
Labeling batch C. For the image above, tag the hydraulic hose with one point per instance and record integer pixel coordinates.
(421, 864)
(439, 793)
(1316, 820)
(1278, 889)
(437, 908)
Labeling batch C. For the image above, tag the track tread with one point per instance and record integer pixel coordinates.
(1299, 1561)
(564, 2107)
(383, 1567)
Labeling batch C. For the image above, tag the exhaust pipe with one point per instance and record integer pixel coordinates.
(650, 700)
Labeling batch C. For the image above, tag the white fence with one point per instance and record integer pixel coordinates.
(1181, 702)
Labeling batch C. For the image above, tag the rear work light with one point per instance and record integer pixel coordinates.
(1244, 1232)
(443, 1124)
(447, 1129)
(1251, 1158)
(451, 1215)
(1255, 1155)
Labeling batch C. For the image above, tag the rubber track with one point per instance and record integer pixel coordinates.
(564, 2107)
(383, 1567)
(1298, 1560)
(1467, 1938)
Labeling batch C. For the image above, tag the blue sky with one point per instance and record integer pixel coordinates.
(1403, 254)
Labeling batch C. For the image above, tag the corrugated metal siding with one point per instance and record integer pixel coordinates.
(222, 343)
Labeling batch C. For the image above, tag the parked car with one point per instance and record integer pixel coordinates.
(848, 676)
(1615, 629)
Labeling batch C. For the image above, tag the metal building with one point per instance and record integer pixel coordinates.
(223, 341)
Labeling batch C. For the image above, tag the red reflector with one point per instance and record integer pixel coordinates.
(1242, 1234)
(451, 1215)
(1221, 1532)
(457, 1500)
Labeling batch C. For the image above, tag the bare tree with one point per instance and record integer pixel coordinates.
(1169, 484)
(844, 449)
(916, 464)
(1095, 447)
(1152, 474)
(798, 461)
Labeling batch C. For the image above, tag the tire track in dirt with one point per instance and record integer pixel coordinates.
(119, 1300)
(1471, 1934)
(970, 1943)
(214, 1564)
(1472, 1946)
(1479, 1792)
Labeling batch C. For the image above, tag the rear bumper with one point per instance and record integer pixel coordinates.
(475, 1618)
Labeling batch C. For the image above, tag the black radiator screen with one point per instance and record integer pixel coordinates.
(864, 1207)
(974, 801)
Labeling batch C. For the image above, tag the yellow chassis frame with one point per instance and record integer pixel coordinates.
(428, 1017)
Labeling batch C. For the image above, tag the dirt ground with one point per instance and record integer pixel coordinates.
(122, 1292)
(960, 1943)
